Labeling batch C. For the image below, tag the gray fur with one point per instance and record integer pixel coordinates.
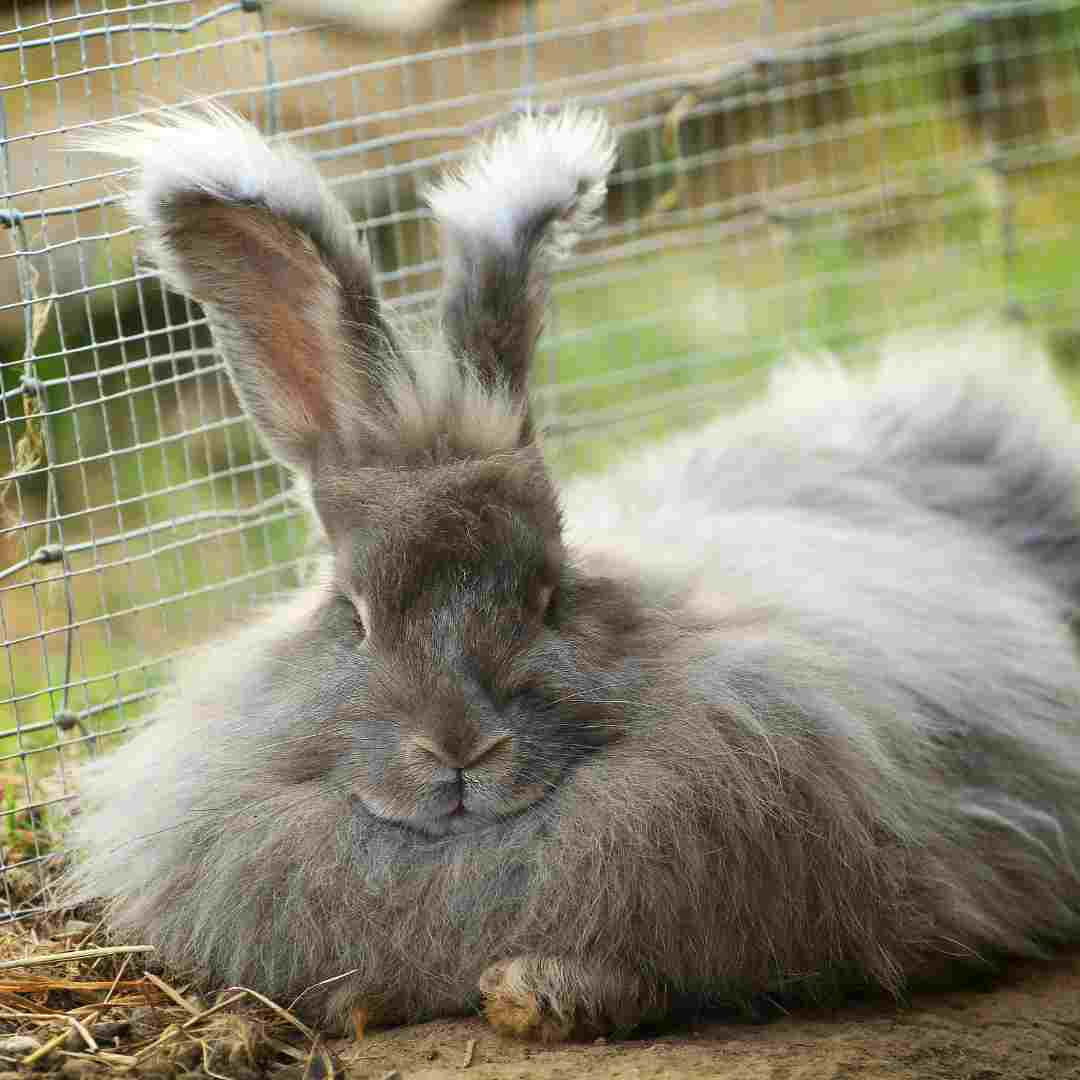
(789, 703)
(517, 206)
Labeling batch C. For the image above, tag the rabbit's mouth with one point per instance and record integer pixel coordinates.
(456, 820)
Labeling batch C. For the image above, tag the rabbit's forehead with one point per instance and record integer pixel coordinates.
(416, 542)
(465, 562)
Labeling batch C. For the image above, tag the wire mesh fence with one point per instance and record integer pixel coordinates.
(789, 177)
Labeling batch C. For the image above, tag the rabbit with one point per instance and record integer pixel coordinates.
(787, 705)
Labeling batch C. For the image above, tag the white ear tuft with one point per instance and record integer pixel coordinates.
(518, 204)
(211, 151)
(550, 169)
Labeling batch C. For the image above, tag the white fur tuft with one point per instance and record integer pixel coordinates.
(212, 151)
(540, 164)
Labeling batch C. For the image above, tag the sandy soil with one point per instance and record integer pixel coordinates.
(1024, 1026)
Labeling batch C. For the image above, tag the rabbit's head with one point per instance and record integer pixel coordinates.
(453, 577)
(469, 653)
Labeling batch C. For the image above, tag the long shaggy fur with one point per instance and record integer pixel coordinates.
(215, 153)
(517, 206)
(789, 704)
(541, 166)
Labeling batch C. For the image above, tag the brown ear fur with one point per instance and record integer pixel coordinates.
(276, 305)
(253, 233)
(520, 202)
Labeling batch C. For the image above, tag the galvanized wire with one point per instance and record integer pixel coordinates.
(810, 178)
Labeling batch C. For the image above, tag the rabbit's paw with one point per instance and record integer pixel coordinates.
(549, 1000)
(523, 998)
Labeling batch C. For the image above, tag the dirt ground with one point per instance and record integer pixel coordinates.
(74, 1007)
(1023, 1026)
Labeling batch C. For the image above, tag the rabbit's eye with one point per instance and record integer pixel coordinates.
(545, 601)
(361, 616)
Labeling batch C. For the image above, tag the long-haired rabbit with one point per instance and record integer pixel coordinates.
(792, 703)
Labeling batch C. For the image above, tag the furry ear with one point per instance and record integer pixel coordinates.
(518, 204)
(253, 233)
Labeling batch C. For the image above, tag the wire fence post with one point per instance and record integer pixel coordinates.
(37, 435)
(783, 225)
(528, 66)
(35, 450)
(273, 109)
(1002, 202)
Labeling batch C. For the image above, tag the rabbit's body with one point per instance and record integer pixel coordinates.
(796, 705)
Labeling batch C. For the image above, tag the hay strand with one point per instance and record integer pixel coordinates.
(76, 955)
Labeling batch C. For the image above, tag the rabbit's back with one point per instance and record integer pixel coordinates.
(912, 545)
(972, 430)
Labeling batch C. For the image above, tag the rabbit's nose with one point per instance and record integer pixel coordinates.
(469, 755)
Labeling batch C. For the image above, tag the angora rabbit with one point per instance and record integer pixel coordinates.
(793, 703)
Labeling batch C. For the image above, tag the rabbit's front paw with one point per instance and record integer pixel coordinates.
(518, 1000)
(549, 1000)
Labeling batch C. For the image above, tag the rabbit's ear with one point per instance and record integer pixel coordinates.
(253, 233)
(517, 205)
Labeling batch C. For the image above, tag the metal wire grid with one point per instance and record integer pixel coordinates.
(787, 177)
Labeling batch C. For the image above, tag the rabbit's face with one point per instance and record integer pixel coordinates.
(471, 708)
(460, 669)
